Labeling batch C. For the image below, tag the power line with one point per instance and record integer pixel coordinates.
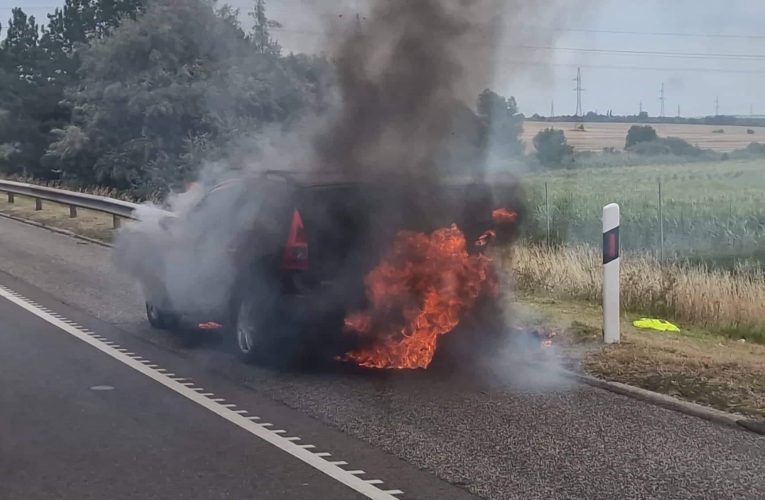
(634, 68)
(611, 32)
(586, 50)
(664, 33)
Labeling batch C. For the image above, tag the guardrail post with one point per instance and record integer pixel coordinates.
(11, 198)
(38, 204)
(72, 211)
(116, 221)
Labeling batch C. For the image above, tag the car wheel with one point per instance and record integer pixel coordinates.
(160, 318)
(252, 343)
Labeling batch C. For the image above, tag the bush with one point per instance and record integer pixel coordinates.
(665, 146)
(640, 133)
(753, 150)
(552, 147)
(681, 147)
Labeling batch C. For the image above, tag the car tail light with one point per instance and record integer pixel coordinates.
(296, 250)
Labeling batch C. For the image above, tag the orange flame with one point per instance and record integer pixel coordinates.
(504, 216)
(419, 292)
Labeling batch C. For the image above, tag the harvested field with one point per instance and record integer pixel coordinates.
(597, 136)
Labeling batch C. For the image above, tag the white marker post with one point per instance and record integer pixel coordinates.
(611, 274)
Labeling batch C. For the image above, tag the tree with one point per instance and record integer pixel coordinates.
(21, 44)
(26, 98)
(261, 30)
(502, 123)
(552, 147)
(174, 87)
(640, 133)
(35, 67)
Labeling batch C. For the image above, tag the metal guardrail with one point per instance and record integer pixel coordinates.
(117, 208)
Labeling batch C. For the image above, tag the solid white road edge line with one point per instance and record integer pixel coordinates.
(301, 452)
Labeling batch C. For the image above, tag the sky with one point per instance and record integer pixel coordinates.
(701, 50)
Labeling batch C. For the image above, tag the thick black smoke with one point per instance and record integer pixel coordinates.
(404, 75)
(408, 75)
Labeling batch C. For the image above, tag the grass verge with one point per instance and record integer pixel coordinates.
(88, 223)
(696, 364)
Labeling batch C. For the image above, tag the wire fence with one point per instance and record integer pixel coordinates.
(715, 229)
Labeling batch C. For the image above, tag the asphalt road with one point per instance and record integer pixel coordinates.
(76, 424)
(516, 434)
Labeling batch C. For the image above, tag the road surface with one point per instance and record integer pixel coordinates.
(427, 434)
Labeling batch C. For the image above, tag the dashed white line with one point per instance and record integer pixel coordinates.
(248, 423)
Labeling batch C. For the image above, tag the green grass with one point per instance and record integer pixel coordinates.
(710, 208)
(745, 332)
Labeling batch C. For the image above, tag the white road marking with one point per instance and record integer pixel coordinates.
(301, 452)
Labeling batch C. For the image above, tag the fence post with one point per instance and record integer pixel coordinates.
(38, 204)
(547, 214)
(11, 198)
(661, 224)
(115, 221)
(72, 211)
(611, 216)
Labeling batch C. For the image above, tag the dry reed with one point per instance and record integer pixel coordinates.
(731, 301)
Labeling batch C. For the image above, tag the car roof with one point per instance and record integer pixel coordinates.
(321, 178)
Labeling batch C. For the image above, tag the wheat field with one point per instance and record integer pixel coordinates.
(597, 136)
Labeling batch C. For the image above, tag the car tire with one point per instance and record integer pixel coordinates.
(161, 319)
(253, 342)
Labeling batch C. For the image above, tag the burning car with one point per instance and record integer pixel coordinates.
(303, 267)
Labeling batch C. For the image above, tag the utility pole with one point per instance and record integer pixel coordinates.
(717, 106)
(579, 91)
(662, 99)
(641, 107)
(678, 111)
(552, 108)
